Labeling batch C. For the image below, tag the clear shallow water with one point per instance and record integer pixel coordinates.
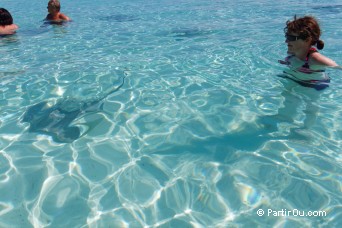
(165, 114)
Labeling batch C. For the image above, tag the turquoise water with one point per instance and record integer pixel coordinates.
(166, 114)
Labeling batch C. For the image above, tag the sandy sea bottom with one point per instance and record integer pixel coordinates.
(166, 114)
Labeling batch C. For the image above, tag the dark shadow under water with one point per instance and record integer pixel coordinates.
(118, 18)
(180, 34)
(55, 120)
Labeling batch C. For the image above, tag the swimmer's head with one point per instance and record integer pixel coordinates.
(5, 17)
(55, 5)
(307, 28)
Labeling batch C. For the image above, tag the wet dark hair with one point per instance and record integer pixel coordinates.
(5, 17)
(306, 27)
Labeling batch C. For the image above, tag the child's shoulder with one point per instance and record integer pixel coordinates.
(8, 29)
(320, 59)
(63, 17)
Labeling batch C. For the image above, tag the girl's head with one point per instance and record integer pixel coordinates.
(5, 17)
(307, 28)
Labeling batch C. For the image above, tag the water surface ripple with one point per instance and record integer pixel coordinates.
(166, 114)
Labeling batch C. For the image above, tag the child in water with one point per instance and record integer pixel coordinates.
(54, 8)
(305, 62)
(6, 23)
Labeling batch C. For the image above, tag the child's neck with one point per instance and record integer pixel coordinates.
(303, 53)
(54, 16)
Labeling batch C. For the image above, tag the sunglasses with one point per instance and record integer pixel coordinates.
(292, 38)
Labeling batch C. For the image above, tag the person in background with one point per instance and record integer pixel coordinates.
(6, 23)
(306, 64)
(54, 8)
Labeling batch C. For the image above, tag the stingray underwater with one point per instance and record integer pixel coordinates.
(55, 118)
